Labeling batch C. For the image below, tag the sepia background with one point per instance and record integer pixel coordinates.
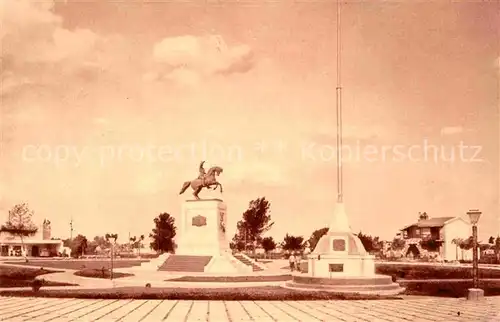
(254, 82)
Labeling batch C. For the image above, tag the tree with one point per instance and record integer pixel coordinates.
(430, 244)
(237, 245)
(255, 222)
(109, 236)
(491, 240)
(137, 243)
(268, 244)
(467, 243)
(78, 246)
(316, 236)
(497, 249)
(163, 233)
(370, 243)
(423, 216)
(293, 243)
(398, 244)
(101, 243)
(20, 223)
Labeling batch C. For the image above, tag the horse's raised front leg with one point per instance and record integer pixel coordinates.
(218, 184)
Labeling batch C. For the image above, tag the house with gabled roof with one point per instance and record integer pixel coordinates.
(441, 230)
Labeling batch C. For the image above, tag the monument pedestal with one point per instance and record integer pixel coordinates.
(203, 228)
(340, 263)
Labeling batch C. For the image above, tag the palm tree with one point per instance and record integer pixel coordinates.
(423, 216)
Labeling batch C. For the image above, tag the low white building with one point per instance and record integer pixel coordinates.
(445, 230)
(38, 245)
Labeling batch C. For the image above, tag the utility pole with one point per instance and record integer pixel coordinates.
(71, 229)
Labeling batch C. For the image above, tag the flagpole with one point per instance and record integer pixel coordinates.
(340, 196)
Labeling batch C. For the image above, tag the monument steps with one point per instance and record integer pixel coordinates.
(185, 263)
(246, 261)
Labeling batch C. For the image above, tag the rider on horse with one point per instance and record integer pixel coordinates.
(202, 174)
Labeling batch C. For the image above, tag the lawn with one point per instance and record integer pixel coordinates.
(422, 272)
(445, 288)
(82, 264)
(11, 276)
(214, 294)
(100, 273)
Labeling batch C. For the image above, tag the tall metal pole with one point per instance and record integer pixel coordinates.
(475, 266)
(71, 229)
(339, 108)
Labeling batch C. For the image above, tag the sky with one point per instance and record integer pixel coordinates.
(109, 106)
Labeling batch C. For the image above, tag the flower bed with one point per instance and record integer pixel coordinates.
(13, 276)
(82, 264)
(100, 273)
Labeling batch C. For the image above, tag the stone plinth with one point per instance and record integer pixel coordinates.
(202, 228)
(475, 294)
(340, 263)
(340, 252)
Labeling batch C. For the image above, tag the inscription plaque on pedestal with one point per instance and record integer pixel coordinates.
(336, 268)
(338, 245)
(199, 221)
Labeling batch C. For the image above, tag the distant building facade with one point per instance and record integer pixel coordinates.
(39, 245)
(442, 230)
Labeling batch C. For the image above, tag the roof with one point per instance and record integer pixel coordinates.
(433, 222)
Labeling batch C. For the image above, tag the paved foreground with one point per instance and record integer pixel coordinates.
(424, 309)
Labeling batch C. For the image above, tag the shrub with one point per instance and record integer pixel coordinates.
(430, 244)
(36, 284)
(398, 244)
(420, 272)
(100, 273)
(149, 256)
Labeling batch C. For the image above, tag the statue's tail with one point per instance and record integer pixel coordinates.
(184, 187)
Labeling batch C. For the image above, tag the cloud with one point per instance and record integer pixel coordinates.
(189, 59)
(451, 130)
(37, 49)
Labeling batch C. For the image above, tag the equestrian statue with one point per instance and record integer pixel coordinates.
(204, 180)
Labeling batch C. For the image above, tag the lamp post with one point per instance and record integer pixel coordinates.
(475, 293)
(111, 238)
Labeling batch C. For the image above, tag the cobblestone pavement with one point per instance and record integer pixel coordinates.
(415, 309)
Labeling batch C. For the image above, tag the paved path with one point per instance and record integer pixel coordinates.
(410, 309)
(422, 310)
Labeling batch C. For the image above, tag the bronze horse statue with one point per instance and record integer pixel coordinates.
(204, 181)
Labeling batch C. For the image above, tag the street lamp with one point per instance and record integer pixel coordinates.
(474, 216)
(111, 238)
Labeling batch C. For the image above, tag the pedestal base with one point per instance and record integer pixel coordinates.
(337, 265)
(340, 263)
(475, 294)
(202, 228)
(367, 285)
